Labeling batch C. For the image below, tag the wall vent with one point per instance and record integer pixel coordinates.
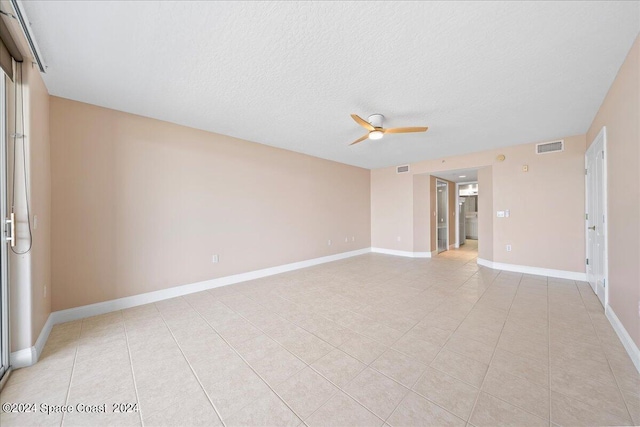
(402, 169)
(550, 147)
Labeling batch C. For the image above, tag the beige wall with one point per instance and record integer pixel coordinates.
(30, 272)
(485, 213)
(141, 205)
(540, 236)
(620, 113)
(391, 209)
(421, 213)
(546, 226)
(40, 180)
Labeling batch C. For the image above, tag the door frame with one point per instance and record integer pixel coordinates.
(446, 215)
(5, 343)
(457, 221)
(599, 142)
(458, 184)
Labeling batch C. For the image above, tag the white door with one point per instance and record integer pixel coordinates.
(596, 216)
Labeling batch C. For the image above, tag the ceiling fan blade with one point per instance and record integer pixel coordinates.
(362, 122)
(360, 139)
(406, 130)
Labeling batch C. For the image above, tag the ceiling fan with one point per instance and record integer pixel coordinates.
(376, 131)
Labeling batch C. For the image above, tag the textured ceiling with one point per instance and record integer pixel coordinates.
(470, 175)
(480, 74)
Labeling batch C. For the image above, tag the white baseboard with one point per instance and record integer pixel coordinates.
(422, 254)
(537, 271)
(23, 358)
(150, 297)
(408, 254)
(625, 338)
(29, 356)
(43, 337)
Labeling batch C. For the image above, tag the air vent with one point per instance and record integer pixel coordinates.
(402, 169)
(550, 147)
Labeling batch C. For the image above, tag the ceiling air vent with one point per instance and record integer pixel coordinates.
(402, 169)
(550, 147)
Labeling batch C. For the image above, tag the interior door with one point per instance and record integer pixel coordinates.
(596, 217)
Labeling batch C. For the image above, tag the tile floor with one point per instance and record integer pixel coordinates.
(367, 341)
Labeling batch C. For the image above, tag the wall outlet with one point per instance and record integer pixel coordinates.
(507, 213)
(346, 240)
(508, 248)
(500, 214)
(525, 168)
(328, 242)
(353, 238)
(215, 259)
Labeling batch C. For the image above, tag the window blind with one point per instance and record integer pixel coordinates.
(8, 50)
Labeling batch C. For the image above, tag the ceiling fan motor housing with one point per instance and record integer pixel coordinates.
(376, 120)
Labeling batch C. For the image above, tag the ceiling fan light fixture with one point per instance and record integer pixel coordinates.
(376, 131)
(375, 134)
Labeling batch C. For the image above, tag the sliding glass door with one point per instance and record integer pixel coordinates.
(4, 249)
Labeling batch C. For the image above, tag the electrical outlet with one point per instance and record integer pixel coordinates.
(507, 213)
(346, 240)
(329, 243)
(508, 248)
(215, 259)
(353, 238)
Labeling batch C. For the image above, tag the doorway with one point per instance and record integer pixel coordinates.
(466, 230)
(442, 208)
(455, 194)
(596, 216)
(468, 213)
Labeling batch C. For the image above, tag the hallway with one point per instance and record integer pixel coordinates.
(467, 252)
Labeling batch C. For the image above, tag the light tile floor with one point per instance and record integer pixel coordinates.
(367, 341)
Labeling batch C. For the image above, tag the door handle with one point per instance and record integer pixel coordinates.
(12, 229)
(592, 228)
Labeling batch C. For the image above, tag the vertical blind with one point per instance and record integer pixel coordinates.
(8, 50)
